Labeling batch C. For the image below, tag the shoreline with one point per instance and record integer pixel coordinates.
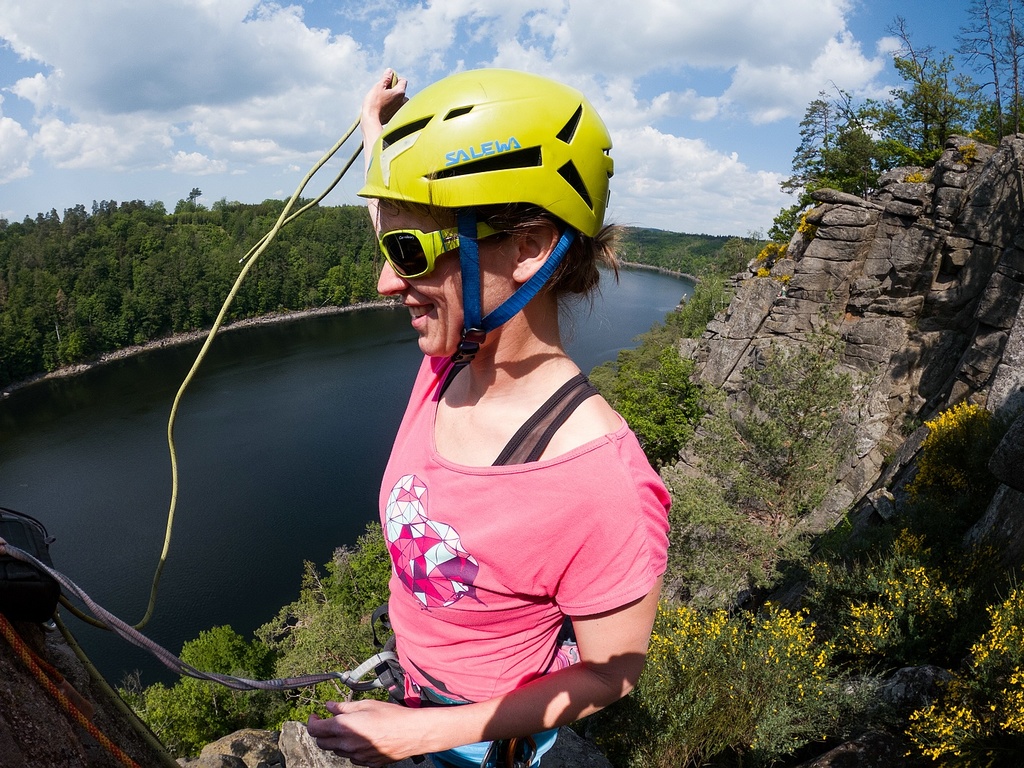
(188, 337)
(661, 270)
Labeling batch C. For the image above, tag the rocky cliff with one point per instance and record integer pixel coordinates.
(923, 283)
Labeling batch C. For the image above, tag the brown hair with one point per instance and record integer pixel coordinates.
(578, 273)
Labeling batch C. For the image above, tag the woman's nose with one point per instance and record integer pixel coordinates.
(389, 282)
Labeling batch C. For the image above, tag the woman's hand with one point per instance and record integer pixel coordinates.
(367, 732)
(379, 105)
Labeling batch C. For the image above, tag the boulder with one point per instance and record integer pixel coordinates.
(250, 748)
(872, 750)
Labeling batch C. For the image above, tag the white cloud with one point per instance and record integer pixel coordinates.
(773, 93)
(168, 55)
(196, 164)
(683, 184)
(15, 150)
(35, 89)
(118, 144)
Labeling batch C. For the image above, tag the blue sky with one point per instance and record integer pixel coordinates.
(147, 99)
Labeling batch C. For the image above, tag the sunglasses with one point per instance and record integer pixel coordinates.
(412, 253)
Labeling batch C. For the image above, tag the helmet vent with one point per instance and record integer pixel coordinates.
(572, 176)
(569, 129)
(529, 157)
(401, 132)
(459, 112)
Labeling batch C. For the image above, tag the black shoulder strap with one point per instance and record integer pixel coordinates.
(533, 437)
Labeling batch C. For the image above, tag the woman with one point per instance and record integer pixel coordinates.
(487, 191)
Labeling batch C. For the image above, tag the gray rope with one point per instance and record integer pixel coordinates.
(352, 679)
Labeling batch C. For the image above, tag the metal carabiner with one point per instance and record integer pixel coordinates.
(517, 752)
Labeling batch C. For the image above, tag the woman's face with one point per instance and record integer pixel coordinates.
(434, 301)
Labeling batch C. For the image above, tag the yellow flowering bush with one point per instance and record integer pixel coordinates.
(979, 719)
(753, 685)
(805, 228)
(954, 455)
(771, 253)
(896, 609)
(969, 152)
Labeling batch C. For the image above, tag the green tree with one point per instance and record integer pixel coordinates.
(128, 272)
(982, 45)
(763, 467)
(659, 402)
(327, 627)
(934, 104)
(817, 135)
(191, 713)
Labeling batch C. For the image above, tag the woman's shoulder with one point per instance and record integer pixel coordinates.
(592, 419)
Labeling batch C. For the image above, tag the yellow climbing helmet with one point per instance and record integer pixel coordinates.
(493, 136)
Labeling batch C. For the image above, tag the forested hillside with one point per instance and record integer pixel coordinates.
(86, 282)
(89, 282)
(687, 254)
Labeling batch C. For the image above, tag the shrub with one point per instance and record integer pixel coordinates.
(753, 686)
(808, 230)
(796, 435)
(710, 296)
(770, 254)
(327, 627)
(898, 609)
(979, 720)
(954, 456)
(714, 549)
(762, 475)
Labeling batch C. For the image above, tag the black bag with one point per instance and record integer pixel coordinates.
(26, 593)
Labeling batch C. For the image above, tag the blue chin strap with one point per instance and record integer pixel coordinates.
(475, 327)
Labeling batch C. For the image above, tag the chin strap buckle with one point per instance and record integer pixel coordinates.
(472, 338)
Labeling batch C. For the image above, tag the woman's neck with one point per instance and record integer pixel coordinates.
(524, 354)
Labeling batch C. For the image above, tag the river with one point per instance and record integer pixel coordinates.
(281, 441)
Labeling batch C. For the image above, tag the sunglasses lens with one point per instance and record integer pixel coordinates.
(405, 252)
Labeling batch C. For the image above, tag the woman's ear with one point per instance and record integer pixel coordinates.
(533, 248)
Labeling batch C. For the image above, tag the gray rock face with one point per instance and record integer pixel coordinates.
(873, 750)
(924, 284)
(1008, 460)
(912, 688)
(250, 748)
(299, 749)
